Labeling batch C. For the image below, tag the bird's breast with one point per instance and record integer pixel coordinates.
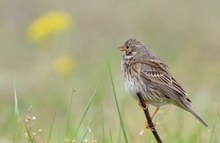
(132, 78)
(131, 86)
(134, 85)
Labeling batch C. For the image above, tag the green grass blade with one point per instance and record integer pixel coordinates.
(219, 114)
(116, 101)
(16, 100)
(103, 128)
(85, 133)
(86, 110)
(16, 113)
(69, 113)
(216, 136)
(119, 135)
(110, 136)
(213, 129)
(30, 139)
(51, 128)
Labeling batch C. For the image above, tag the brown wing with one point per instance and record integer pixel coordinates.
(153, 71)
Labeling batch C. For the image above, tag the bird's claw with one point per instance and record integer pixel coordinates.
(144, 108)
(148, 126)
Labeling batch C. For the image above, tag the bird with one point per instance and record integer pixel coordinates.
(148, 75)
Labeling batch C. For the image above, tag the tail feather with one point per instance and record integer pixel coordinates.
(198, 117)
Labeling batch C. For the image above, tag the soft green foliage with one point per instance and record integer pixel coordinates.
(110, 136)
(84, 135)
(213, 129)
(30, 139)
(16, 114)
(69, 113)
(51, 128)
(86, 110)
(218, 114)
(103, 128)
(117, 105)
(57, 46)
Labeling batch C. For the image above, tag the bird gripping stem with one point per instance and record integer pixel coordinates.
(147, 115)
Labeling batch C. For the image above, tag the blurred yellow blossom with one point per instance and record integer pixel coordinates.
(63, 65)
(47, 24)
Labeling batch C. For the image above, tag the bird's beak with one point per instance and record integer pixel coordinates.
(121, 48)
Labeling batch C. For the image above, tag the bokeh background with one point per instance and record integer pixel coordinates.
(51, 47)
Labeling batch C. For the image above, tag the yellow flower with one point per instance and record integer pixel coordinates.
(47, 24)
(63, 65)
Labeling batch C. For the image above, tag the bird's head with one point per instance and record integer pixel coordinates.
(132, 47)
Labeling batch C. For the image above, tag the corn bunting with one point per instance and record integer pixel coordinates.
(146, 74)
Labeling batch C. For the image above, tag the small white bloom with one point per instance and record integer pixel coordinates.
(34, 118)
(141, 133)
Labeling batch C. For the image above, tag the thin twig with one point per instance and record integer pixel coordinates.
(147, 115)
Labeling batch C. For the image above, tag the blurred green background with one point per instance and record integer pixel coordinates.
(55, 46)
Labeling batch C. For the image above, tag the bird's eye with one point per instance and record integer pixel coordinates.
(127, 47)
(129, 53)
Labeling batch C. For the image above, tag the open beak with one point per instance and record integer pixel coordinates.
(121, 48)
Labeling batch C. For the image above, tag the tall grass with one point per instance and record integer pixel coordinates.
(117, 105)
(69, 113)
(30, 139)
(51, 129)
(110, 136)
(103, 127)
(213, 129)
(122, 135)
(86, 131)
(85, 111)
(16, 113)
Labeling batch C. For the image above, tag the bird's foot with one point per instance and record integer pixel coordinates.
(144, 108)
(148, 126)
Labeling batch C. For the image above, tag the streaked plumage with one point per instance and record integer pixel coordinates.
(147, 74)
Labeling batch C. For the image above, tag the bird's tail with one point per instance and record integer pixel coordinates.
(198, 117)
